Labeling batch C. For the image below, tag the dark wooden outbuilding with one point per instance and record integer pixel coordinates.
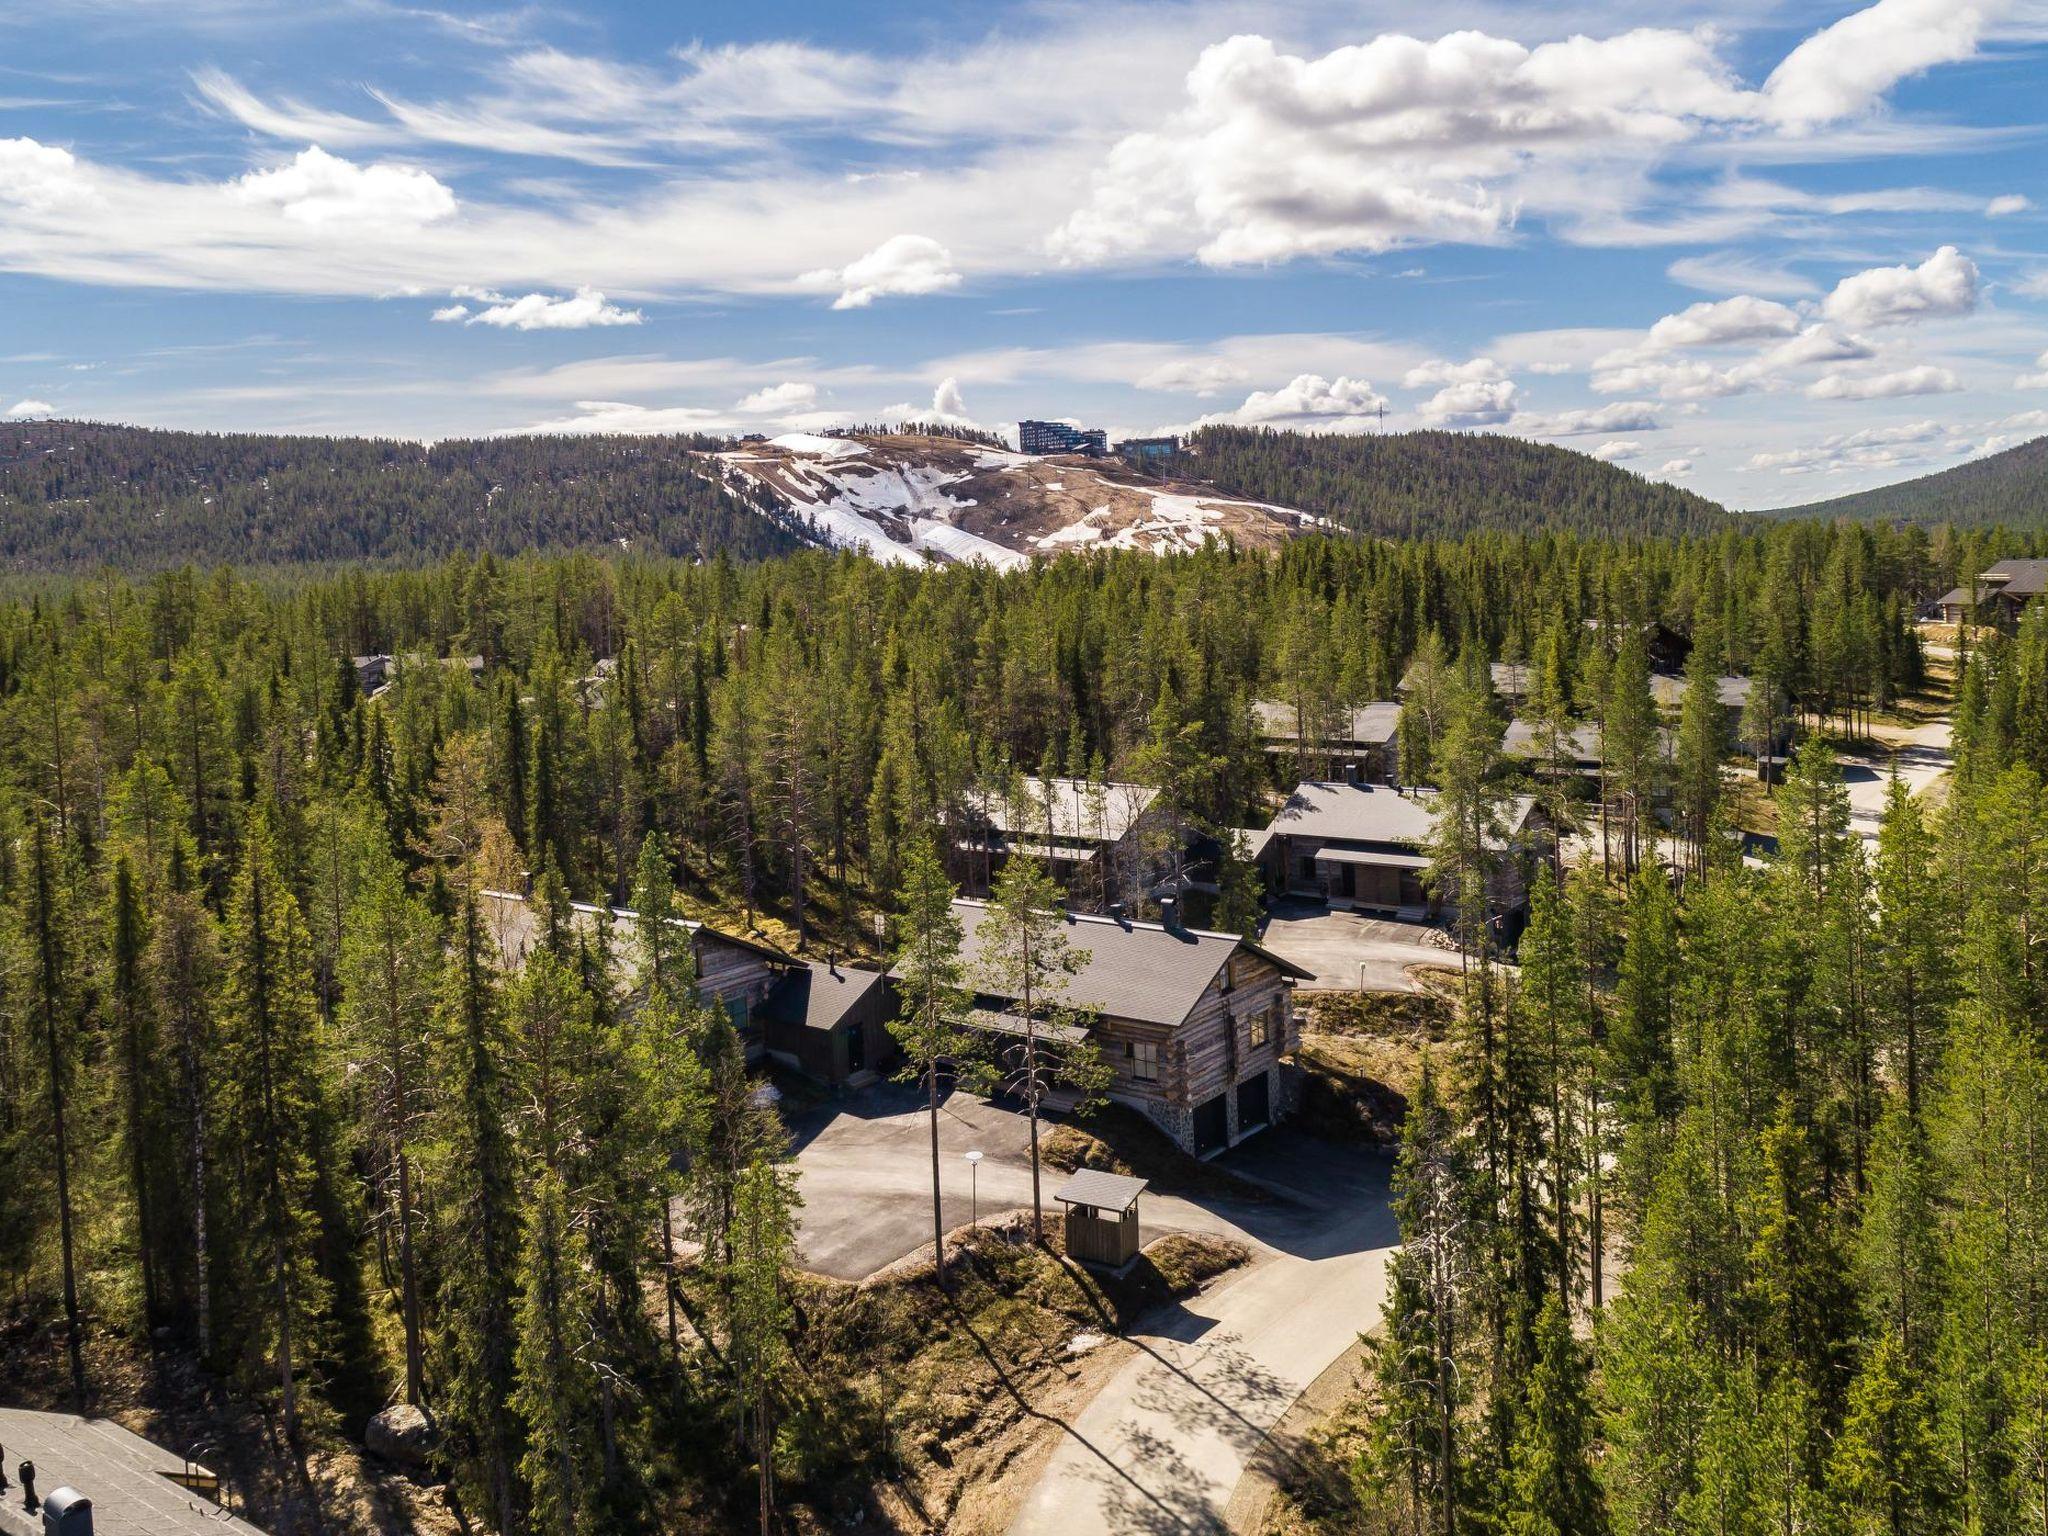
(1102, 1217)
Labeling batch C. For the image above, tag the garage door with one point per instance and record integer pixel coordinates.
(1212, 1125)
(1254, 1103)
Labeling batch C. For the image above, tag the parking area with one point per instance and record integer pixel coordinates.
(865, 1172)
(1350, 953)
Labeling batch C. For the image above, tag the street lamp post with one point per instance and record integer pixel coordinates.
(974, 1186)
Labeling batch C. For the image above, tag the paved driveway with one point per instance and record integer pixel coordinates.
(1162, 1447)
(1921, 756)
(1350, 953)
(864, 1169)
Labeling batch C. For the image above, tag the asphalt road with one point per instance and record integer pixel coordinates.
(1162, 1447)
(1921, 756)
(1350, 953)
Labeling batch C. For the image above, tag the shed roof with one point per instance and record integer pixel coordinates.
(1081, 811)
(1104, 1191)
(821, 995)
(1145, 972)
(127, 1477)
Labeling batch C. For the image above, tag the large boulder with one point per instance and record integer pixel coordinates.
(404, 1436)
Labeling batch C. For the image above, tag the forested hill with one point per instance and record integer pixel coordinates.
(2009, 489)
(76, 495)
(1405, 484)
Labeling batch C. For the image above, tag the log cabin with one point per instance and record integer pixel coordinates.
(1193, 1025)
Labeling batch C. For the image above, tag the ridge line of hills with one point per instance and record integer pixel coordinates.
(77, 495)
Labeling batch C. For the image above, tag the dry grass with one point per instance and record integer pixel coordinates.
(1362, 1053)
(945, 1399)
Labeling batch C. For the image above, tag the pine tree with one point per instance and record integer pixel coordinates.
(930, 1027)
(391, 965)
(270, 1053)
(1553, 1491)
(477, 1242)
(1026, 957)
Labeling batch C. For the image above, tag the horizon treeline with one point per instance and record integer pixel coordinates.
(79, 495)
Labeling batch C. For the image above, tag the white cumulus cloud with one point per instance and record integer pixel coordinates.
(1710, 324)
(1621, 416)
(780, 399)
(902, 264)
(1192, 376)
(317, 188)
(1925, 379)
(1941, 287)
(1618, 449)
(2009, 203)
(1846, 68)
(40, 177)
(1471, 403)
(1480, 370)
(582, 310)
(22, 410)
(1309, 402)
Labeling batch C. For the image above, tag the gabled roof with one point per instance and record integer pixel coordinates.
(1372, 813)
(1145, 972)
(1081, 811)
(1116, 1192)
(1370, 724)
(2017, 578)
(128, 1478)
(820, 996)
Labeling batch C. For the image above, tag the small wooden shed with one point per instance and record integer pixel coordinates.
(1102, 1217)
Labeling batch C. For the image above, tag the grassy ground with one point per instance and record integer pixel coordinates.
(1116, 1139)
(1362, 1053)
(928, 1411)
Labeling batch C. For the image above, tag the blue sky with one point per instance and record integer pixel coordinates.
(1769, 251)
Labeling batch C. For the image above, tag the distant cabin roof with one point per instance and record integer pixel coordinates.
(1510, 678)
(1081, 811)
(1145, 972)
(1371, 813)
(1730, 691)
(516, 924)
(2017, 578)
(1369, 724)
(821, 995)
(1521, 739)
(127, 1478)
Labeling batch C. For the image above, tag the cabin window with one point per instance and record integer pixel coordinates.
(1262, 1028)
(1143, 1057)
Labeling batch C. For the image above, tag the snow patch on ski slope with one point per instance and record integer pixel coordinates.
(902, 514)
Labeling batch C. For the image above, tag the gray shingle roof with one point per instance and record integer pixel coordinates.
(1081, 812)
(1116, 1192)
(127, 1477)
(1371, 813)
(1369, 724)
(2018, 578)
(820, 996)
(1139, 971)
(513, 919)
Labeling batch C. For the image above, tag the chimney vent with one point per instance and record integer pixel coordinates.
(67, 1512)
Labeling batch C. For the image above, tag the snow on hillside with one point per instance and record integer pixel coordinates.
(913, 499)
